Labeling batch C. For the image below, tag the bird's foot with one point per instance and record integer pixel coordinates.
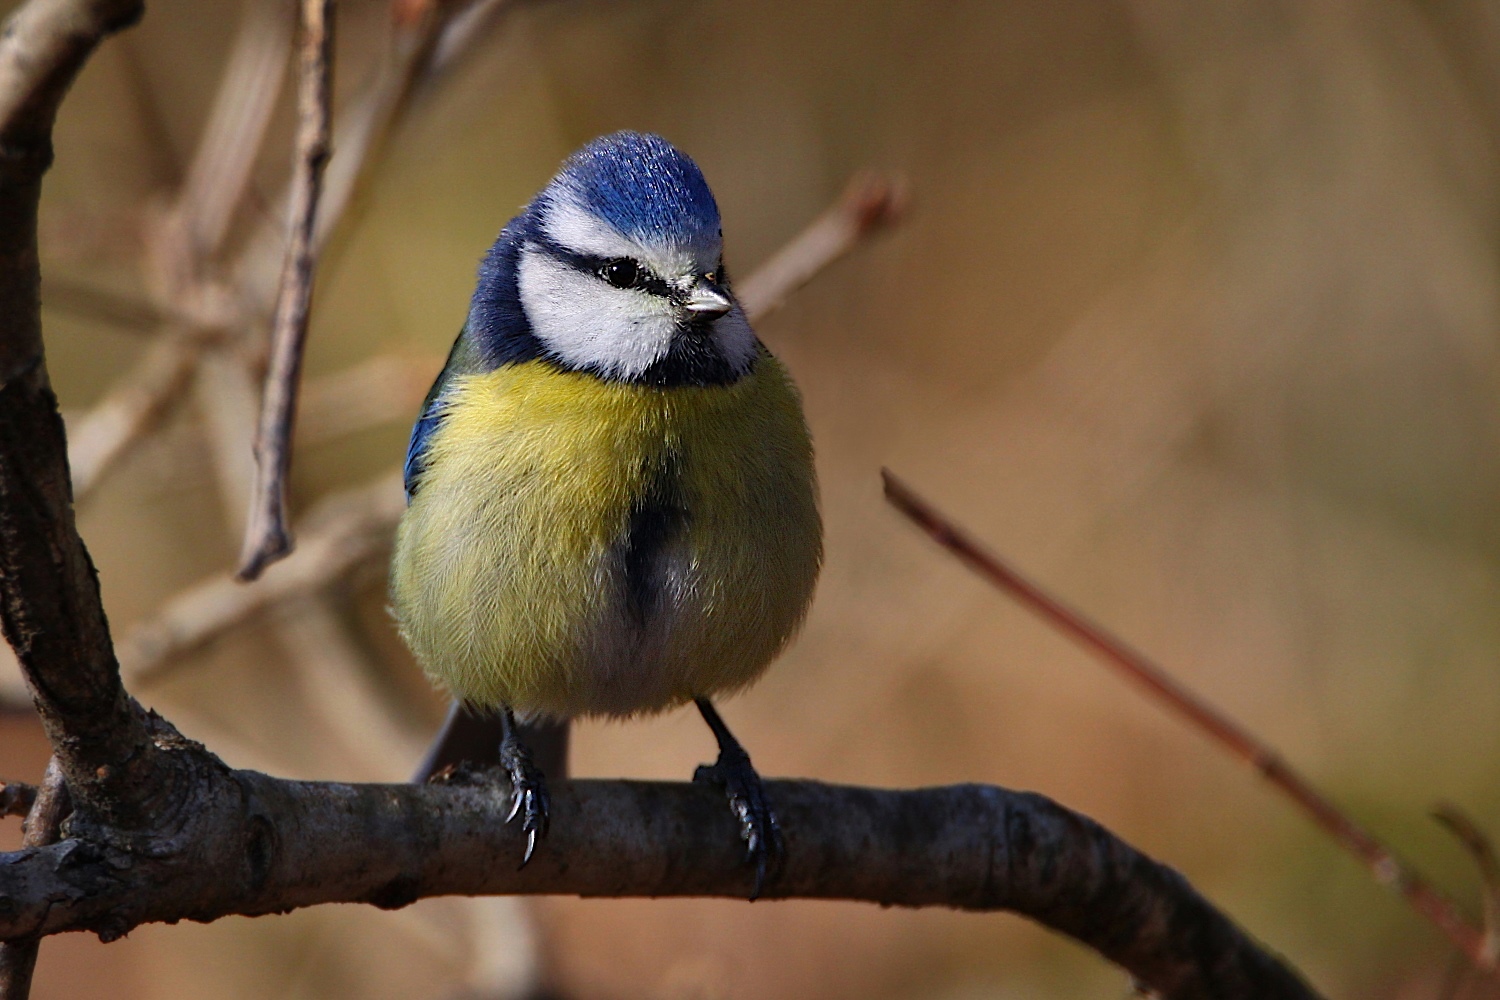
(528, 794)
(752, 807)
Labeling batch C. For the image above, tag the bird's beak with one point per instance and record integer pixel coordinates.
(707, 301)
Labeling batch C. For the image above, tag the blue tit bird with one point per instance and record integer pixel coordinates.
(611, 501)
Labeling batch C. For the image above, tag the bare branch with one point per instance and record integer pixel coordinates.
(181, 243)
(1389, 870)
(50, 806)
(16, 798)
(267, 535)
(253, 844)
(869, 203)
(343, 532)
(49, 595)
(366, 123)
(160, 148)
(122, 312)
(164, 831)
(1477, 843)
(381, 390)
(227, 153)
(464, 21)
(44, 45)
(130, 409)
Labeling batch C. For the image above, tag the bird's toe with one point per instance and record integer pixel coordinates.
(752, 808)
(529, 800)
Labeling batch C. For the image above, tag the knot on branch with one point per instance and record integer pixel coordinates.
(173, 776)
(204, 818)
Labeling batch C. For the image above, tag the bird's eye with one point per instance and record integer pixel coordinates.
(712, 277)
(622, 273)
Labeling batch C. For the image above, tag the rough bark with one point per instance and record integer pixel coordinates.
(43, 824)
(252, 844)
(49, 594)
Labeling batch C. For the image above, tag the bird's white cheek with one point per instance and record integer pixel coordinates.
(587, 323)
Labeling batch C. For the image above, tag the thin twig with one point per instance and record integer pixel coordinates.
(267, 535)
(380, 390)
(49, 808)
(343, 532)
(463, 23)
(222, 166)
(181, 243)
(363, 129)
(131, 408)
(121, 312)
(184, 241)
(1387, 869)
(870, 202)
(16, 798)
(1478, 844)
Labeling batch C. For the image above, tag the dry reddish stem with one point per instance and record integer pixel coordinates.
(870, 202)
(1388, 870)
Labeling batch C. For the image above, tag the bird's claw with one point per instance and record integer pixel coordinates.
(528, 795)
(752, 807)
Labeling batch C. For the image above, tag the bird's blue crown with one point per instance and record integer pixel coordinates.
(643, 186)
(640, 184)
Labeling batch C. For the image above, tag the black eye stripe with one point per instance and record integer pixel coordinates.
(645, 279)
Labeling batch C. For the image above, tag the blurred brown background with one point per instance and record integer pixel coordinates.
(1194, 316)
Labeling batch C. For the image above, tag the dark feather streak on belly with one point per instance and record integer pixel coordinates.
(655, 520)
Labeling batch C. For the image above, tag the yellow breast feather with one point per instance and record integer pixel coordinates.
(514, 582)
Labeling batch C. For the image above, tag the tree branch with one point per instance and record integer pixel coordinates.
(225, 158)
(869, 204)
(1477, 844)
(44, 45)
(133, 405)
(252, 844)
(16, 798)
(267, 535)
(43, 821)
(49, 596)
(343, 532)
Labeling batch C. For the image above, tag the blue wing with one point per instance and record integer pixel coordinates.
(416, 450)
(462, 359)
